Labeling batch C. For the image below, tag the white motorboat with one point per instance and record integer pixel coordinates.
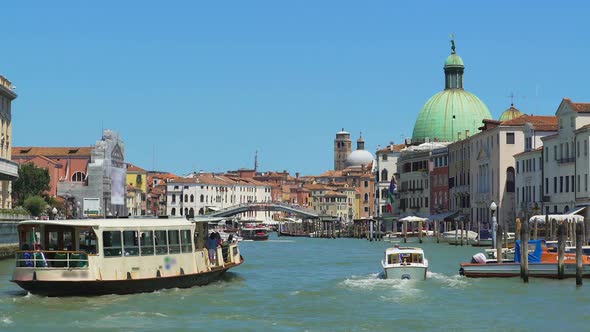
(405, 263)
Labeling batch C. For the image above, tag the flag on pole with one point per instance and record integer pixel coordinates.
(390, 192)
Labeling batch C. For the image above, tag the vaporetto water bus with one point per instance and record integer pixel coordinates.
(116, 256)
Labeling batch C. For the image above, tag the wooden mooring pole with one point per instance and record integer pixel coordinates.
(524, 251)
(579, 252)
(499, 245)
(419, 231)
(561, 238)
(404, 231)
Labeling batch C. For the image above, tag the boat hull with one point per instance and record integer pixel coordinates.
(507, 270)
(406, 272)
(55, 288)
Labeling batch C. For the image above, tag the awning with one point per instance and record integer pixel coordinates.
(576, 210)
(444, 215)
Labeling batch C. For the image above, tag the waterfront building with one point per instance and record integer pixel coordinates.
(200, 193)
(8, 169)
(414, 168)
(530, 196)
(342, 148)
(385, 170)
(156, 198)
(459, 168)
(565, 160)
(335, 200)
(92, 180)
(439, 183)
(493, 166)
(136, 190)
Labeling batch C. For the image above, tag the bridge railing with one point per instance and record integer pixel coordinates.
(267, 205)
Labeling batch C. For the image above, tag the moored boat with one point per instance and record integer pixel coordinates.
(454, 237)
(115, 256)
(404, 263)
(542, 263)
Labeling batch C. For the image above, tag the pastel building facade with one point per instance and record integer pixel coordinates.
(8, 169)
(92, 180)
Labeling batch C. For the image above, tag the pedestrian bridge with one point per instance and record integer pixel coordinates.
(240, 208)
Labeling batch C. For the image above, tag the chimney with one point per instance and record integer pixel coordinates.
(458, 136)
(297, 175)
(466, 133)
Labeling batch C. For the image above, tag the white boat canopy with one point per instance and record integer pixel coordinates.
(574, 218)
(413, 219)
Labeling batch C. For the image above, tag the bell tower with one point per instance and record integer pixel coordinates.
(342, 148)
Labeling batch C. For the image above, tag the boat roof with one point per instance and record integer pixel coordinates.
(107, 223)
(397, 250)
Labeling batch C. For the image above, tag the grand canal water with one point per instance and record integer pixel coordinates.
(302, 284)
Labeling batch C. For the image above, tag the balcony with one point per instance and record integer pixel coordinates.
(8, 170)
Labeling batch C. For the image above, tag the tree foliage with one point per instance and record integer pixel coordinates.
(35, 205)
(32, 181)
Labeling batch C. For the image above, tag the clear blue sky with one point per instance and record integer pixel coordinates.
(207, 83)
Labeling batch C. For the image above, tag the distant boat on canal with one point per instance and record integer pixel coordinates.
(254, 232)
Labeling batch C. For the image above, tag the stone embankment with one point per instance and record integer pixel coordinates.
(8, 233)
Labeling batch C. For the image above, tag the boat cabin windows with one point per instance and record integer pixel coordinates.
(88, 242)
(147, 243)
(173, 242)
(111, 242)
(185, 239)
(161, 243)
(404, 258)
(130, 243)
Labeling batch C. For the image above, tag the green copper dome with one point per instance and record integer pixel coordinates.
(510, 114)
(454, 60)
(452, 110)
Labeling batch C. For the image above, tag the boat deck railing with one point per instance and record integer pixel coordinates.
(51, 259)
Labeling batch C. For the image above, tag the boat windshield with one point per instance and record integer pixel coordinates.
(404, 258)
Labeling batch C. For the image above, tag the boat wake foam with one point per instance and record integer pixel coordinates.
(454, 281)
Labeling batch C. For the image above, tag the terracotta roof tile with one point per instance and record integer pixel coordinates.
(539, 122)
(133, 168)
(390, 148)
(578, 107)
(25, 151)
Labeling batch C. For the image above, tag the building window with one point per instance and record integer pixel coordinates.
(173, 212)
(78, 177)
(546, 185)
(509, 138)
(185, 198)
(366, 184)
(555, 184)
(384, 158)
(561, 184)
(555, 152)
(384, 175)
(192, 198)
(173, 198)
(202, 198)
(546, 154)
(510, 179)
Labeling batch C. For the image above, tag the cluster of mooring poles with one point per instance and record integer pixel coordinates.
(563, 230)
(369, 229)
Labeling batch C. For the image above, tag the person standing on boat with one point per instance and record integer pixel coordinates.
(211, 245)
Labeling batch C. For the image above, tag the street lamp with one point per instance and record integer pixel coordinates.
(54, 212)
(78, 209)
(493, 208)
